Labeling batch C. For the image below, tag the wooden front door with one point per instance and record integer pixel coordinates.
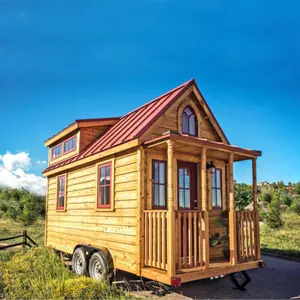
(187, 185)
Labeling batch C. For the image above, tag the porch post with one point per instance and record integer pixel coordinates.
(255, 209)
(171, 214)
(205, 208)
(232, 215)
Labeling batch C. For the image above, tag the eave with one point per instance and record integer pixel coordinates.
(80, 124)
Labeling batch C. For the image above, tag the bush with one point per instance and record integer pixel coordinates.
(273, 217)
(40, 274)
(295, 206)
(286, 199)
(20, 205)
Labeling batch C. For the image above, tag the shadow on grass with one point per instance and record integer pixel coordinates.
(286, 253)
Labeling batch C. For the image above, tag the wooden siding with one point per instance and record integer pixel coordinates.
(82, 223)
(90, 134)
(170, 121)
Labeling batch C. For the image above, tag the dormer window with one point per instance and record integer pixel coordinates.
(189, 121)
(57, 151)
(70, 144)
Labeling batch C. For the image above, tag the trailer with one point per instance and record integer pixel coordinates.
(151, 193)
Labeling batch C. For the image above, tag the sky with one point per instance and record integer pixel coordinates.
(67, 60)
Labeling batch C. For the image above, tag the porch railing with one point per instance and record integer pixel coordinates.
(155, 238)
(246, 226)
(189, 239)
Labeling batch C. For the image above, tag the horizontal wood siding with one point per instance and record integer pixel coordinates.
(88, 135)
(82, 223)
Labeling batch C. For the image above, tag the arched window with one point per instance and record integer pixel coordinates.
(189, 121)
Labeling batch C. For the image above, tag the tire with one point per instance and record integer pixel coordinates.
(79, 262)
(98, 267)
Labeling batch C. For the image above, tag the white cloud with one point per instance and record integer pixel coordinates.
(14, 161)
(40, 163)
(13, 174)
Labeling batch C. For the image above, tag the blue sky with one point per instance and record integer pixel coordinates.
(62, 60)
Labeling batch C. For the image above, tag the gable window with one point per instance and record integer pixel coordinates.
(159, 184)
(189, 121)
(70, 144)
(56, 151)
(216, 189)
(61, 192)
(104, 186)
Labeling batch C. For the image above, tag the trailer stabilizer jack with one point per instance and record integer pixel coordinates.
(240, 286)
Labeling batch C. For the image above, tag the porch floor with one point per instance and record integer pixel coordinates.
(215, 269)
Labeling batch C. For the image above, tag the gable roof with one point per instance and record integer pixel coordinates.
(134, 124)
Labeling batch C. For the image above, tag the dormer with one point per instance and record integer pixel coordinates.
(76, 137)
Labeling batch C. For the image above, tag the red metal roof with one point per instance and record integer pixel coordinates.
(131, 125)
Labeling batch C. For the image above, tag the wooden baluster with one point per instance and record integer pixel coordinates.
(184, 236)
(242, 236)
(159, 240)
(195, 240)
(246, 234)
(251, 233)
(150, 239)
(238, 228)
(164, 238)
(154, 239)
(200, 237)
(146, 239)
(190, 240)
(179, 239)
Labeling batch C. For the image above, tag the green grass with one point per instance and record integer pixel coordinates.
(10, 228)
(285, 240)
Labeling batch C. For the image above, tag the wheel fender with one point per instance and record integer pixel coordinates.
(90, 250)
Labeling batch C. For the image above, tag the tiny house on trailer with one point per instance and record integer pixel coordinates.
(150, 193)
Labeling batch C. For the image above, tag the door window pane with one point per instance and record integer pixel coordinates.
(216, 189)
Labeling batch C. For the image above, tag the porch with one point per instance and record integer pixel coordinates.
(175, 241)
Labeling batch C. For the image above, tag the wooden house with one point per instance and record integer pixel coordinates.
(148, 190)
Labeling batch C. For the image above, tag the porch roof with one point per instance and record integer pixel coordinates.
(216, 149)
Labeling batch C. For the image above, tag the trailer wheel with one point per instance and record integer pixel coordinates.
(79, 262)
(98, 266)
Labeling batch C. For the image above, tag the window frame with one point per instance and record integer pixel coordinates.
(61, 153)
(188, 121)
(105, 207)
(71, 150)
(215, 189)
(159, 184)
(61, 208)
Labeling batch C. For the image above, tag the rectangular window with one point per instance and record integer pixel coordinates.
(61, 192)
(159, 184)
(184, 188)
(104, 186)
(216, 189)
(56, 151)
(70, 144)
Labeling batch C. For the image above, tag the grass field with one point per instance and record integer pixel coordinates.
(285, 240)
(10, 228)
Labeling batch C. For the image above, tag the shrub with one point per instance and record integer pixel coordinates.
(20, 205)
(40, 274)
(295, 206)
(273, 217)
(286, 199)
(33, 274)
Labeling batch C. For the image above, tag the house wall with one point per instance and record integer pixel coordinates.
(81, 223)
(170, 121)
(90, 134)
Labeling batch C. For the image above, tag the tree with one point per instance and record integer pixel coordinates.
(297, 188)
(243, 195)
(273, 217)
